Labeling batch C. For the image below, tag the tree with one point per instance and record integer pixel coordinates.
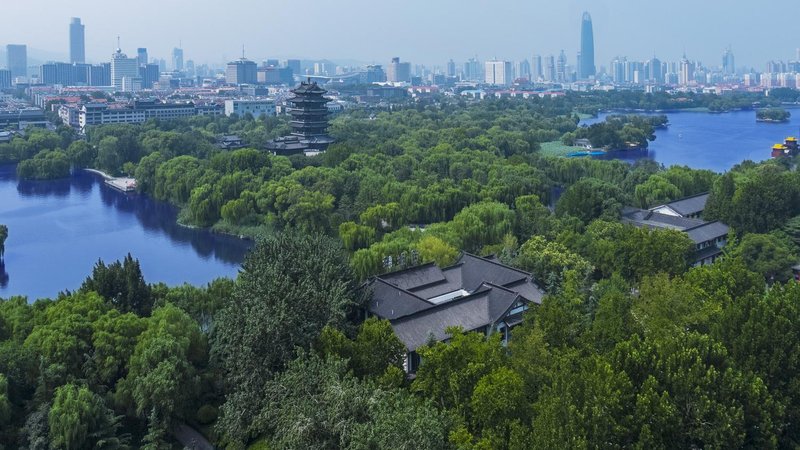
(450, 371)
(589, 199)
(79, 419)
(768, 255)
(549, 262)
(290, 287)
(356, 236)
(431, 248)
(81, 154)
(108, 157)
(163, 375)
(588, 406)
(122, 285)
(374, 351)
(761, 336)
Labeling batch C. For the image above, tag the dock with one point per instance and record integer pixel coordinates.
(123, 184)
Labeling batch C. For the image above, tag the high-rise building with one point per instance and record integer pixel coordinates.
(472, 70)
(77, 43)
(149, 74)
(655, 72)
(5, 78)
(100, 75)
(141, 56)
(586, 67)
(242, 71)
(177, 59)
(618, 70)
(550, 68)
(686, 74)
(561, 68)
(17, 60)
(294, 64)
(123, 67)
(522, 69)
(537, 69)
(498, 73)
(728, 62)
(451, 68)
(398, 72)
(375, 74)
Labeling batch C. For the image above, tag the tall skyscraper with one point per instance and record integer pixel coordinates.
(17, 60)
(618, 69)
(522, 69)
(686, 75)
(499, 73)
(561, 68)
(472, 70)
(141, 56)
(537, 68)
(177, 59)
(550, 69)
(398, 72)
(451, 68)
(587, 69)
(123, 69)
(77, 43)
(242, 71)
(655, 71)
(728, 62)
(294, 64)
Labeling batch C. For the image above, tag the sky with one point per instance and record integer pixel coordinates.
(421, 31)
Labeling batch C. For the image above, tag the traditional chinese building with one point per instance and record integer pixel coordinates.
(309, 123)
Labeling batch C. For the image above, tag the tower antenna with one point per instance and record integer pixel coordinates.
(118, 46)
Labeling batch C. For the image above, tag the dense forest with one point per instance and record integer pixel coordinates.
(631, 348)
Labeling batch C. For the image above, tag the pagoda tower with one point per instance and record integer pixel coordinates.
(309, 122)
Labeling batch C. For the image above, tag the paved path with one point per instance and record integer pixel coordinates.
(191, 438)
(101, 173)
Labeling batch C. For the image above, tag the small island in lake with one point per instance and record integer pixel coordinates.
(773, 115)
(618, 132)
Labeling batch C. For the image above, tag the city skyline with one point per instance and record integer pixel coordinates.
(518, 29)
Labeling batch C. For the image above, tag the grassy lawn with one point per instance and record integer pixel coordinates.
(557, 148)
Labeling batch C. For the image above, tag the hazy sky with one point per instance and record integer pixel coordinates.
(422, 31)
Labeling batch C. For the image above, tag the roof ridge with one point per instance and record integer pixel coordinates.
(701, 225)
(690, 196)
(403, 290)
(407, 269)
(495, 263)
(443, 305)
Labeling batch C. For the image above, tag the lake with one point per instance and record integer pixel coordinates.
(59, 229)
(713, 141)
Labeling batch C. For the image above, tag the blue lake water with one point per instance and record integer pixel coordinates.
(59, 229)
(713, 141)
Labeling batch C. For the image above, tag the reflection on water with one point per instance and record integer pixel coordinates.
(58, 229)
(3, 274)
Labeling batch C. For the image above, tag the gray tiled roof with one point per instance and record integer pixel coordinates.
(415, 277)
(483, 308)
(390, 302)
(643, 217)
(698, 230)
(707, 232)
(689, 205)
(403, 297)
